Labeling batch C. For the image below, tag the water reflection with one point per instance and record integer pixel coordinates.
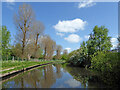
(83, 76)
(73, 83)
(51, 76)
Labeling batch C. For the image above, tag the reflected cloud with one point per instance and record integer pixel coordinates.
(61, 86)
(73, 83)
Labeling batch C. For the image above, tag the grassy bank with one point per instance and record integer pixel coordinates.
(9, 66)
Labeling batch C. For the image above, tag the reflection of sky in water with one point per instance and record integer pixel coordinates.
(54, 68)
(66, 81)
(60, 81)
(72, 83)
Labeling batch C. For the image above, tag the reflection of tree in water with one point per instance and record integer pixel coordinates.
(79, 74)
(49, 77)
(31, 79)
(58, 70)
(15, 82)
(38, 78)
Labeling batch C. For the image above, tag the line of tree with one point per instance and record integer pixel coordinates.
(30, 40)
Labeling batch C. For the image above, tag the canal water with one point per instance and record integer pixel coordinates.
(53, 76)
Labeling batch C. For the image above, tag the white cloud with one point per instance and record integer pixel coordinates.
(114, 42)
(73, 83)
(86, 36)
(70, 25)
(10, 4)
(60, 34)
(114, 45)
(10, 0)
(86, 3)
(73, 38)
(68, 49)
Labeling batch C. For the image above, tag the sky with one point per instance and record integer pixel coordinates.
(68, 23)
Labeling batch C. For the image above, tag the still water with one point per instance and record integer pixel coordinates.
(53, 76)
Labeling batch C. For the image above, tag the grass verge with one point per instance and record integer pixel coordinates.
(19, 65)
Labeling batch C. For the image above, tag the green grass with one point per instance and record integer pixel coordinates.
(18, 65)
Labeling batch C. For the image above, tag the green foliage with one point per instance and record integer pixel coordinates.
(39, 53)
(79, 57)
(108, 65)
(17, 50)
(0, 42)
(54, 57)
(64, 57)
(98, 40)
(5, 43)
(70, 55)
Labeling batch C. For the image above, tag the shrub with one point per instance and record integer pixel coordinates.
(108, 65)
(64, 57)
(79, 58)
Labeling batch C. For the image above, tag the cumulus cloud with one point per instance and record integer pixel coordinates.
(73, 38)
(86, 3)
(70, 26)
(86, 36)
(60, 34)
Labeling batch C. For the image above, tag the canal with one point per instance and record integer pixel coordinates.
(53, 76)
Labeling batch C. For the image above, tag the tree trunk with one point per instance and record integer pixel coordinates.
(23, 45)
(13, 58)
(45, 54)
(36, 46)
(57, 55)
(29, 56)
(24, 38)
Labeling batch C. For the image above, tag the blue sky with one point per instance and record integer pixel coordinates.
(77, 19)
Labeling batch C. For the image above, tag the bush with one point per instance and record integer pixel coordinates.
(108, 65)
(79, 58)
(64, 57)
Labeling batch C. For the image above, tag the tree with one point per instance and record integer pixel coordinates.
(99, 40)
(5, 43)
(0, 42)
(58, 51)
(79, 57)
(29, 50)
(65, 55)
(50, 49)
(44, 44)
(65, 52)
(48, 45)
(37, 30)
(23, 21)
(17, 50)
